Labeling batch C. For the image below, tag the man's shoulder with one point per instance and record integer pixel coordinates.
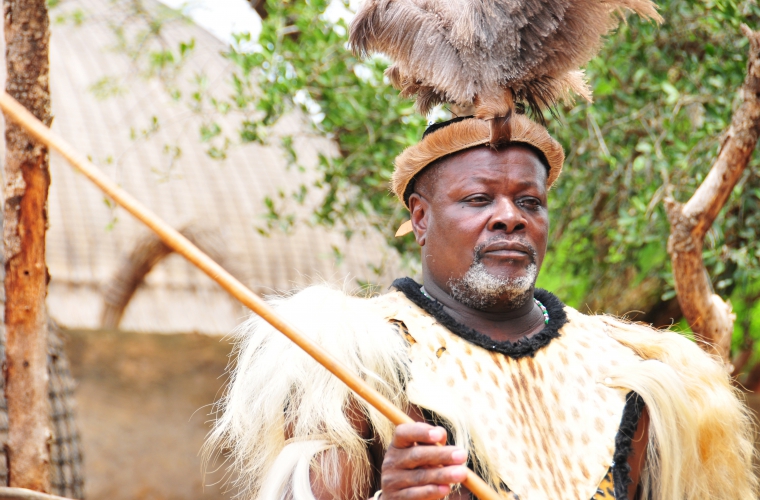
(649, 343)
(322, 311)
(615, 325)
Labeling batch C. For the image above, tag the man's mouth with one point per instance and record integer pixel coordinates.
(506, 250)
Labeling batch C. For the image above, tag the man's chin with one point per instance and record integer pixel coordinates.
(512, 272)
(481, 288)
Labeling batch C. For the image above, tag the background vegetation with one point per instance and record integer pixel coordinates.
(663, 96)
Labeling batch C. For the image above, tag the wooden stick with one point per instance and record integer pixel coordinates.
(24, 494)
(184, 247)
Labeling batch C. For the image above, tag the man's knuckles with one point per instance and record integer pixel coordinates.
(407, 435)
(426, 456)
(405, 479)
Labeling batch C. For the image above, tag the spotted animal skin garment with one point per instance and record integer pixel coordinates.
(543, 425)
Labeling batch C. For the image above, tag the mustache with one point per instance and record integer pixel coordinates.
(478, 250)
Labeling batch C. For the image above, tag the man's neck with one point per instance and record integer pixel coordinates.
(500, 323)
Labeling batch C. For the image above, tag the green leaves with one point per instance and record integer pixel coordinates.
(673, 94)
(303, 63)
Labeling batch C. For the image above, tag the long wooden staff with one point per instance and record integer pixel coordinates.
(174, 240)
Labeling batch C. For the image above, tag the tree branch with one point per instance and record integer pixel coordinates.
(709, 316)
(148, 252)
(26, 182)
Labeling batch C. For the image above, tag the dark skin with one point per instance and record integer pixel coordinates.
(494, 200)
(472, 199)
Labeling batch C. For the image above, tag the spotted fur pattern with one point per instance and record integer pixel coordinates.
(605, 491)
(543, 425)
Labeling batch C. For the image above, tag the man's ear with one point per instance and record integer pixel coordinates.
(419, 208)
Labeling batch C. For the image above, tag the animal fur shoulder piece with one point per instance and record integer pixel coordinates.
(569, 395)
(283, 416)
(542, 425)
(701, 434)
(490, 53)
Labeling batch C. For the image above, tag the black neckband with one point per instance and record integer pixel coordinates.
(515, 350)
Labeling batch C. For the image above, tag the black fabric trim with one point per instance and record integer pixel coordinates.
(515, 350)
(621, 470)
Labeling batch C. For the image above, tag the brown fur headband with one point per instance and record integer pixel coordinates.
(468, 134)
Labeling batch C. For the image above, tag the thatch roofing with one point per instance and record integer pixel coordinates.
(222, 200)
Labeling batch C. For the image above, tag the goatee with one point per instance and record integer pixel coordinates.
(479, 289)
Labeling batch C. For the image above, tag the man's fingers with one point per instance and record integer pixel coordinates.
(410, 479)
(415, 469)
(424, 457)
(407, 435)
(429, 492)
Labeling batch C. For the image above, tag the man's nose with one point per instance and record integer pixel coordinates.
(506, 216)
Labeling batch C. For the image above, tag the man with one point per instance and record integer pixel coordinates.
(541, 401)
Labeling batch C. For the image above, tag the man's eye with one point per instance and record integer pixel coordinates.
(532, 203)
(478, 198)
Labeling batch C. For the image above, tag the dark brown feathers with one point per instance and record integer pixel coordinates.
(490, 53)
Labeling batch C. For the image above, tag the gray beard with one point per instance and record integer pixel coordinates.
(481, 290)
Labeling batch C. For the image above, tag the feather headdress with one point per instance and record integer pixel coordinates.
(490, 54)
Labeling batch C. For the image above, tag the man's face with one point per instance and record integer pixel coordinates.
(482, 222)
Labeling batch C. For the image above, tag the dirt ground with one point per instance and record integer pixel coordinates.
(143, 412)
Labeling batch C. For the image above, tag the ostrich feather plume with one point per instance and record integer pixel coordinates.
(489, 54)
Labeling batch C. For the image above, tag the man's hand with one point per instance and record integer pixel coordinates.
(417, 468)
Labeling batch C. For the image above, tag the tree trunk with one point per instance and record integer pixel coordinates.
(27, 179)
(708, 315)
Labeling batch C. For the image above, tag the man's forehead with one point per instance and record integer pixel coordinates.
(519, 163)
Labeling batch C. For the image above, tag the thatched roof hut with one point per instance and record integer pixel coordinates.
(106, 269)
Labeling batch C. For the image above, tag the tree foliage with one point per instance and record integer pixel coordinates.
(663, 95)
(303, 61)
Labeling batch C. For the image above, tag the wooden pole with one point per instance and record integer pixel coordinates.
(27, 178)
(173, 239)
